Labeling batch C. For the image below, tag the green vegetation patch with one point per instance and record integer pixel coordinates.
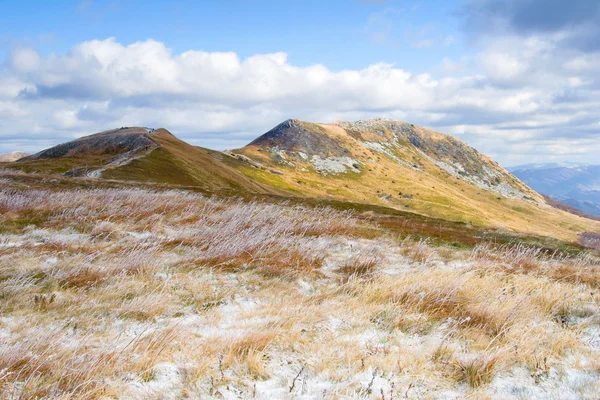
(158, 166)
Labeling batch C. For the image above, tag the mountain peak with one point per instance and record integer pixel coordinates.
(294, 135)
(111, 142)
(292, 121)
(141, 154)
(377, 161)
(577, 185)
(361, 146)
(370, 121)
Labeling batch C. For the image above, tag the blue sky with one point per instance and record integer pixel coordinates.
(338, 34)
(516, 79)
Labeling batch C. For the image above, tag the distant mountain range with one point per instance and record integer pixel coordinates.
(577, 185)
(377, 162)
(14, 156)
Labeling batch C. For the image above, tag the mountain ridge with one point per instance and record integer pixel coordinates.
(385, 136)
(140, 154)
(400, 165)
(377, 162)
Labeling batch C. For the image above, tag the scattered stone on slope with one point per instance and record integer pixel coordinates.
(448, 153)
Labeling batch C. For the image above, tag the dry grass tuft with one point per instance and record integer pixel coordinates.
(251, 343)
(255, 362)
(359, 267)
(419, 252)
(477, 371)
(84, 278)
(590, 239)
(50, 364)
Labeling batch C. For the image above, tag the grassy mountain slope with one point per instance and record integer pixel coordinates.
(90, 153)
(377, 162)
(140, 154)
(175, 161)
(402, 166)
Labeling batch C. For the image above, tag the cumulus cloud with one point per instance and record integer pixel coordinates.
(105, 82)
(515, 95)
(24, 60)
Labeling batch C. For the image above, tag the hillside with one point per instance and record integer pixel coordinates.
(117, 290)
(402, 166)
(140, 154)
(576, 185)
(120, 280)
(377, 162)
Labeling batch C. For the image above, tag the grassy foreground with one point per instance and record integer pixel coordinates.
(110, 291)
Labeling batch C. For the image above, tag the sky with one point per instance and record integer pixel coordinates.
(517, 79)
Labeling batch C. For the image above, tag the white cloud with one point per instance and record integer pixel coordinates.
(25, 60)
(513, 90)
(500, 65)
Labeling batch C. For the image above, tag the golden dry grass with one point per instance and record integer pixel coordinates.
(113, 293)
(387, 179)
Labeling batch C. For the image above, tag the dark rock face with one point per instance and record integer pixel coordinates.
(105, 143)
(294, 135)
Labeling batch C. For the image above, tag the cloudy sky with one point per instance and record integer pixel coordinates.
(517, 79)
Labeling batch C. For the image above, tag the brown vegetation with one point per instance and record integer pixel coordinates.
(137, 293)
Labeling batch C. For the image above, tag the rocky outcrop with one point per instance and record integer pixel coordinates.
(293, 136)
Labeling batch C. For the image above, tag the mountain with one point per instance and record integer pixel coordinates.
(574, 184)
(14, 156)
(402, 166)
(140, 154)
(377, 162)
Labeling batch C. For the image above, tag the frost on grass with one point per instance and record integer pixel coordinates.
(120, 293)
